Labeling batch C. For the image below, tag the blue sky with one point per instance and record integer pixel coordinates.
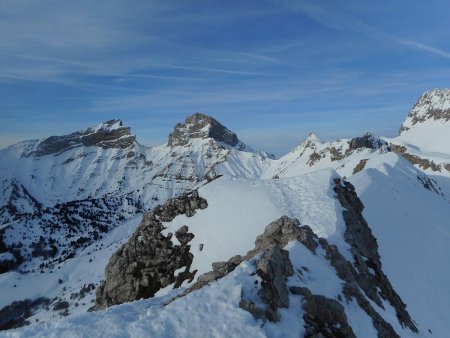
(270, 70)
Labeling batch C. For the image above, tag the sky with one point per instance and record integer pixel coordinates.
(270, 70)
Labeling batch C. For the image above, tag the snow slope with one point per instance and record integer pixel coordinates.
(412, 226)
(239, 210)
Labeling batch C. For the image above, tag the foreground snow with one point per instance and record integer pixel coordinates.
(212, 311)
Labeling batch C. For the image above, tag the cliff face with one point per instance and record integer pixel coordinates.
(201, 126)
(109, 134)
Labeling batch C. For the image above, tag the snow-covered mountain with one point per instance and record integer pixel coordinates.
(426, 126)
(223, 248)
(64, 195)
(424, 136)
(347, 156)
(106, 160)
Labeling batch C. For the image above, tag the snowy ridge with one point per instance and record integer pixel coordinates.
(313, 154)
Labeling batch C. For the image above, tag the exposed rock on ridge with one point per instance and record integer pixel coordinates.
(148, 261)
(434, 105)
(416, 160)
(324, 317)
(364, 248)
(110, 134)
(363, 280)
(201, 126)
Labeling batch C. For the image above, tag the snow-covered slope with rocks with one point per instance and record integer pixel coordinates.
(424, 136)
(347, 156)
(224, 255)
(64, 196)
(106, 160)
(426, 126)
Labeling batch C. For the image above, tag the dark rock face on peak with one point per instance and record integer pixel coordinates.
(109, 134)
(432, 105)
(365, 141)
(201, 126)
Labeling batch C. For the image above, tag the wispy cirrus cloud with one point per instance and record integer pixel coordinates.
(333, 15)
(421, 46)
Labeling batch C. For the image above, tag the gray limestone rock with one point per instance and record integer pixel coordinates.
(368, 275)
(148, 261)
(274, 267)
(324, 317)
(201, 126)
(416, 160)
(365, 141)
(104, 137)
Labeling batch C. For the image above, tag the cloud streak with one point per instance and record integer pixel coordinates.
(423, 47)
(332, 16)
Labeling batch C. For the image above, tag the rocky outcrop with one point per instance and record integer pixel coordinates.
(416, 160)
(148, 261)
(360, 166)
(274, 267)
(354, 282)
(324, 317)
(364, 248)
(366, 141)
(201, 126)
(110, 134)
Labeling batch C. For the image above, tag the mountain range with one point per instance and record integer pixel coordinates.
(205, 236)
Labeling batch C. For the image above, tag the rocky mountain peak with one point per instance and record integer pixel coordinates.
(366, 141)
(312, 139)
(109, 125)
(109, 134)
(432, 105)
(201, 126)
